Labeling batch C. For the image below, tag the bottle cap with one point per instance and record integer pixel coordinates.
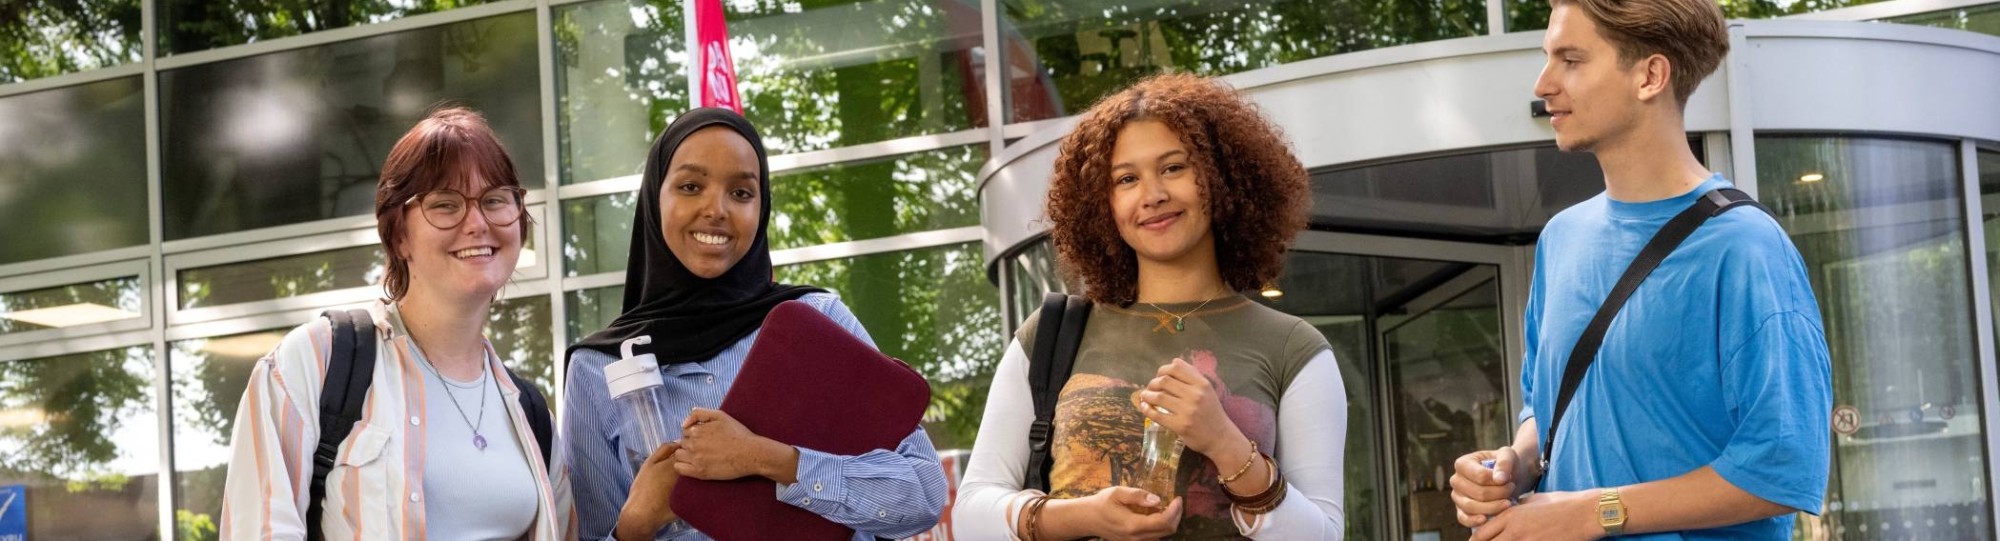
(634, 372)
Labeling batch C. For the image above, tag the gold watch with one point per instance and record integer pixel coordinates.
(1611, 512)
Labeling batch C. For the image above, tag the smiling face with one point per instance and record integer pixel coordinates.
(1156, 194)
(470, 261)
(711, 203)
(1593, 96)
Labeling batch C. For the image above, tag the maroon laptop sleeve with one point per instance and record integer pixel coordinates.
(809, 383)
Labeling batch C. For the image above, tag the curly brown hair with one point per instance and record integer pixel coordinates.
(1257, 192)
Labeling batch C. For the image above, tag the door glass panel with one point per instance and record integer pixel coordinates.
(1447, 380)
(1422, 341)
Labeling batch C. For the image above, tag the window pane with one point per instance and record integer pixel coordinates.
(621, 75)
(877, 198)
(837, 73)
(1448, 386)
(1989, 195)
(193, 25)
(591, 309)
(209, 376)
(281, 277)
(41, 39)
(1982, 19)
(849, 201)
(932, 308)
(1066, 54)
(520, 330)
(1036, 272)
(70, 305)
(300, 135)
(74, 179)
(597, 234)
(1487, 196)
(1880, 225)
(80, 433)
(1525, 15)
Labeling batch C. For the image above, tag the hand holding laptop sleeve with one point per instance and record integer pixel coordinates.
(808, 383)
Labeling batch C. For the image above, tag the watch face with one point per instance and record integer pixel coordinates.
(1610, 514)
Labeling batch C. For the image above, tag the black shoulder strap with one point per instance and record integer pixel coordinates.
(350, 368)
(1057, 336)
(1709, 205)
(537, 409)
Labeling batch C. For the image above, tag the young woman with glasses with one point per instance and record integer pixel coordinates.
(444, 448)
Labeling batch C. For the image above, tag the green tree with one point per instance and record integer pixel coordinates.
(54, 37)
(83, 399)
(194, 25)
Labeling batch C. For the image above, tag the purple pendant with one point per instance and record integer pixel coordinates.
(479, 441)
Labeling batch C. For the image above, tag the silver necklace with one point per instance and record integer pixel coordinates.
(478, 441)
(1180, 320)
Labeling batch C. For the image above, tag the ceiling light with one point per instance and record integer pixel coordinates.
(1809, 178)
(69, 315)
(245, 346)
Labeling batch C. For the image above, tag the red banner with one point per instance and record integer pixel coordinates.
(714, 71)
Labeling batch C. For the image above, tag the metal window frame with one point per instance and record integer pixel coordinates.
(137, 268)
(1888, 10)
(1980, 277)
(801, 161)
(822, 252)
(175, 263)
(337, 35)
(38, 350)
(59, 82)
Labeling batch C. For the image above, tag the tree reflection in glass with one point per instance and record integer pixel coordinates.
(79, 430)
(194, 25)
(281, 277)
(813, 76)
(106, 297)
(1880, 224)
(932, 308)
(1083, 50)
(42, 39)
(1524, 15)
(849, 201)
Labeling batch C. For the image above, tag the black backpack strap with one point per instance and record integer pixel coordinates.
(1663, 243)
(1057, 337)
(537, 409)
(350, 369)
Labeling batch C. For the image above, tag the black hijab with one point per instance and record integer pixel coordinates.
(689, 317)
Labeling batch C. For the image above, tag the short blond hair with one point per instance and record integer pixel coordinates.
(1689, 33)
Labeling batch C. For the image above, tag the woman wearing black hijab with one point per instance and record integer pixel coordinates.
(699, 283)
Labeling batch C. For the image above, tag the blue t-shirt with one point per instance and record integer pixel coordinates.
(1719, 359)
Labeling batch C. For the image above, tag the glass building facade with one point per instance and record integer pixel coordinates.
(183, 181)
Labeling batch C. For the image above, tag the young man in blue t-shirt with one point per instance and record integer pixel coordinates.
(1705, 413)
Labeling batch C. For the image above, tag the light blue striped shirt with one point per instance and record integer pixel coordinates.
(881, 493)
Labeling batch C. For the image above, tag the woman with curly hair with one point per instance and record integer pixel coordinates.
(1167, 201)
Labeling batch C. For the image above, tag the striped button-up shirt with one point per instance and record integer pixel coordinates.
(376, 489)
(881, 493)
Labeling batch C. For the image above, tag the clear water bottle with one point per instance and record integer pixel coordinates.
(635, 385)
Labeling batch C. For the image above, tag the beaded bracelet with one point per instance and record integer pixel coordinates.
(1246, 465)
